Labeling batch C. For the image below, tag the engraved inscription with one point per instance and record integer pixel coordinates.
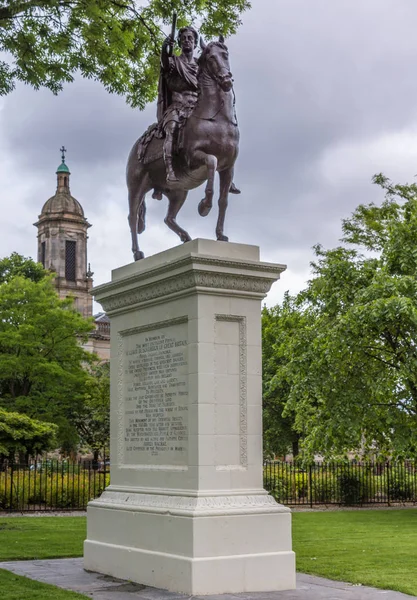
(156, 397)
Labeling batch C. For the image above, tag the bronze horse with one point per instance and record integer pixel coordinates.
(210, 143)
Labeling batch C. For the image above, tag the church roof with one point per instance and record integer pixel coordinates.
(62, 202)
(62, 168)
(102, 317)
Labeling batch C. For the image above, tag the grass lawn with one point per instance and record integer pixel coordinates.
(376, 548)
(27, 538)
(14, 587)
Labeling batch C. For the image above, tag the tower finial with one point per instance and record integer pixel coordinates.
(63, 150)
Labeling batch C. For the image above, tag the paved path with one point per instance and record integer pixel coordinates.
(69, 574)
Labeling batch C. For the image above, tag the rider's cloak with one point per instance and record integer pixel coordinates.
(180, 77)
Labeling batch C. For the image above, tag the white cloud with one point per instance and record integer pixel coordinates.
(393, 153)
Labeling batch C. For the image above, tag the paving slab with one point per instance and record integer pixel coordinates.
(68, 573)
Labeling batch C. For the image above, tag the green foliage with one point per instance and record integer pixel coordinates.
(92, 420)
(353, 489)
(50, 489)
(402, 487)
(115, 42)
(280, 436)
(325, 489)
(19, 433)
(42, 365)
(16, 264)
(348, 376)
(341, 483)
(288, 486)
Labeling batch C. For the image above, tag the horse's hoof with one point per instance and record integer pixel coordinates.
(185, 238)
(138, 255)
(222, 238)
(203, 209)
(157, 195)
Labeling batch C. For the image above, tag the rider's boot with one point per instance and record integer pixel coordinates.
(233, 189)
(171, 177)
(157, 194)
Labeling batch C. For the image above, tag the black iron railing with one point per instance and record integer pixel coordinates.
(47, 485)
(66, 486)
(343, 483)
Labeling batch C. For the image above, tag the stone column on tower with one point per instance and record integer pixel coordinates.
(62, 242)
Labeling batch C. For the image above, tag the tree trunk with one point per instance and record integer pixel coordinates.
(95, 459)
(295, 448)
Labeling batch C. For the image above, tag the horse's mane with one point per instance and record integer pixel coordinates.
(210, 45)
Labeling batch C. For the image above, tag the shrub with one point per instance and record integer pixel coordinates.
(325, 488)
(401, 487)
(277, 487)
(354, 488)
(25, 490)
(288, 486)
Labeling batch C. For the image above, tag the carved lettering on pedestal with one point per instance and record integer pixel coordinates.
(154, 419)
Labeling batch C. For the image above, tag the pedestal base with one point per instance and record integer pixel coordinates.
(186, 510)
(193, 545)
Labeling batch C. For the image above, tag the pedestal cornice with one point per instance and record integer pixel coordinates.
(184, 275)
(189, 506)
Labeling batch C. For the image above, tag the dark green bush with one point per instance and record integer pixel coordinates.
(278, 488)
(401, 487)
(354, 489)
(325, 489)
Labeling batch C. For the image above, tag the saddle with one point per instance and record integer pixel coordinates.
(150, 145)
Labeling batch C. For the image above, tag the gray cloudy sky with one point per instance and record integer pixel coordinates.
(326, 97)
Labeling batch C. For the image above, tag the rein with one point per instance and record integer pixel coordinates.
(213, 117)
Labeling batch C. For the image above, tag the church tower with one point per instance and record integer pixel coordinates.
(62, 242)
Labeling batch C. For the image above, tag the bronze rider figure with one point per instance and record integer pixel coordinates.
(178, 89)
(177, 94)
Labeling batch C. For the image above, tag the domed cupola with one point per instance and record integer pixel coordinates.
(62, 242)
(62, 202)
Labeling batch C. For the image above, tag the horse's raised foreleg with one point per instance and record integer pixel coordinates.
(176, 200)
(138, 184)
(210, 161)
(226, 178)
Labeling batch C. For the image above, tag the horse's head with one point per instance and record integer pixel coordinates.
(214, 60)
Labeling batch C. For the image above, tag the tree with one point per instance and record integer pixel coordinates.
(42, 364)
(116, 42)
(280, 435)
(351, 356)
(16, 264)
(19, 433)
(93, 419)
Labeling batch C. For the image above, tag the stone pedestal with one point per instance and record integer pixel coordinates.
(186, 509)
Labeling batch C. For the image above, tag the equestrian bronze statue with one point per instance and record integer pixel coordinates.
(196, 135)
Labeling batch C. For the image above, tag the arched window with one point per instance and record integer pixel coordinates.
(70, 260)
(43, 253)
(65, 181)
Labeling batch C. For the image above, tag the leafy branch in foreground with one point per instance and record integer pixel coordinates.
(20, 433)
(116, 42)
